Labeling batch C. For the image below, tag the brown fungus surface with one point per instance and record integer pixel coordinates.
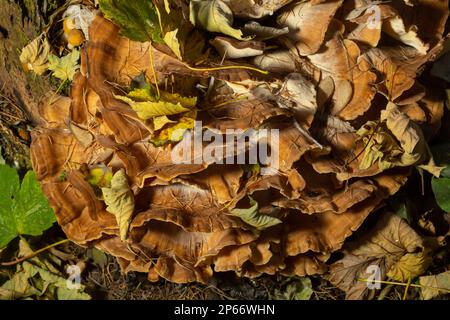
(345, 98)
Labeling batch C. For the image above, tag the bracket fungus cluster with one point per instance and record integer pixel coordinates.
(338, 79)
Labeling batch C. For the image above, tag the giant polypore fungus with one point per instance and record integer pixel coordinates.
(342, 90)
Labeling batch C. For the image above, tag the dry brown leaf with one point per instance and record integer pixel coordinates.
(392, 246)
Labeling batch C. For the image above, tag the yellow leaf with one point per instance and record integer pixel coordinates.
(34, 57)
(170, 38)
(410, 266)
(175, 132)
(160, 122)
(100, 177)
(151, 109)
(120, 202)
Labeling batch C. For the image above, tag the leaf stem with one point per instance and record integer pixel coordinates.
(35, 253)
(226, 68)
(403, 284)
(408, 284)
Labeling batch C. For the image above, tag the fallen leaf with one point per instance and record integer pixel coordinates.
(436, 285)
(24, 210)
(214, 16)
(35, 55)
(298, 289)
(252, 217)
(137, 19)
(441, 190)
(392, 247)
(120, 201)
(64, 68)
(150, 109)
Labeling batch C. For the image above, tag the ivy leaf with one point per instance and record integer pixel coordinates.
(34, 57)
(24, 210)
(252, 216)
(64, 68)
(137, 19)
(120, 201)
(441, 189)
(214, 16)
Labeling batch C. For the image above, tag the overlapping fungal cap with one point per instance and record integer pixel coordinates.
(343, 91)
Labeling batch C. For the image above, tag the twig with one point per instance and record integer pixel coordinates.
(35, 253)
(226, 68)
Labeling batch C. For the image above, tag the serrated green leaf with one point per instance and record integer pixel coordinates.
(214, 16)
(120, 201)
(441, 189)
(252, 217)
(137, 19)
(32, 211)
(23, 209)
(64, 68)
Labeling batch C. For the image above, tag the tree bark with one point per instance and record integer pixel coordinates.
(20, 91)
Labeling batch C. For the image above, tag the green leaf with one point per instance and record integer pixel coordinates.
(441, 189)
(296, 290)
(2, 160)
(120, 201)
(24, 210)
(137, 19)
(64, 68)
(252, 217)
(19, 285)
(214, 16)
